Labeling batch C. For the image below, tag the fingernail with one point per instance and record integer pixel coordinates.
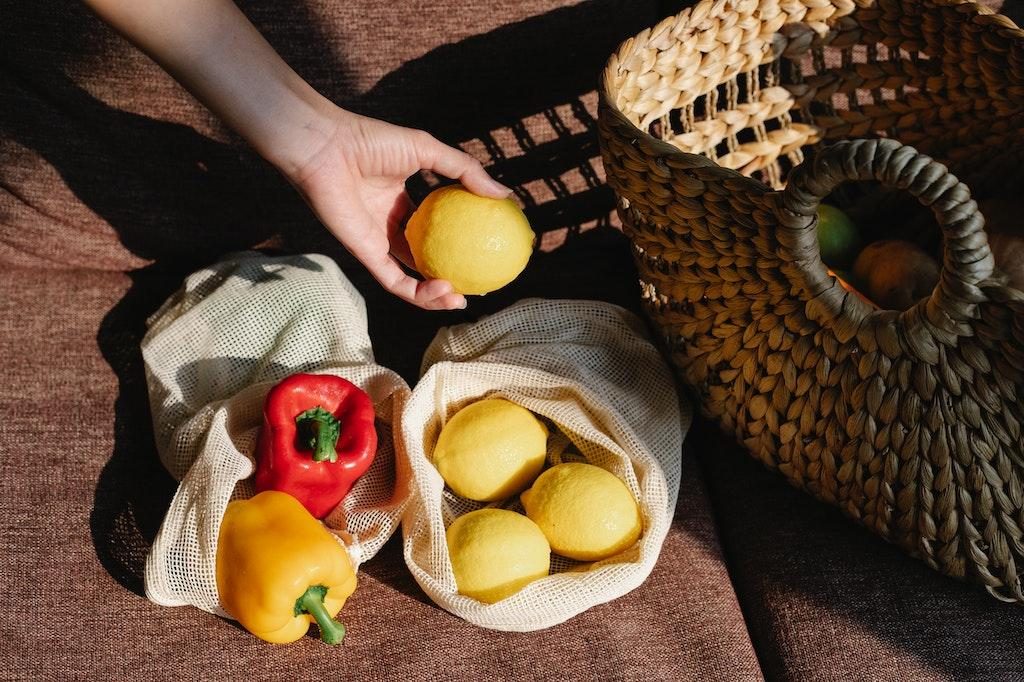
(462, 304)
(501, 188)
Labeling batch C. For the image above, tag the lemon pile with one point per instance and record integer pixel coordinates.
(489, 451)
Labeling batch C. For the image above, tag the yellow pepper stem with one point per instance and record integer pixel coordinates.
(312, 602)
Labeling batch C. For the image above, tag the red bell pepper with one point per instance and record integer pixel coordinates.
(318, 437)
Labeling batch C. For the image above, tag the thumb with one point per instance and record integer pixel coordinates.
(370, 246)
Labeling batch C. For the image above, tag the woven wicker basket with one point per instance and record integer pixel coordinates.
(911, 422)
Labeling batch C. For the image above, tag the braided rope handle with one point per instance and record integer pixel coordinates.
(967, 261)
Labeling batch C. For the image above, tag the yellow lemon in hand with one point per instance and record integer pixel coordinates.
(476, 243)
(490, 450)
(586, 512)
(495, 553)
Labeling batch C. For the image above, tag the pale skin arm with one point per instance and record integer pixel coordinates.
(350, 169)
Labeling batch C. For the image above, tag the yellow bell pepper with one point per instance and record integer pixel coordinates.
(279, 569)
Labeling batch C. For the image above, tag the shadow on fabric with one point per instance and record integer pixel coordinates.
(519, 96)
(181, 199)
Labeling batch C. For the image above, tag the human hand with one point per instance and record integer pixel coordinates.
(354, 180)
(350, 169)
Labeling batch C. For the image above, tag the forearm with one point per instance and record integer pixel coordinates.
(212, 49)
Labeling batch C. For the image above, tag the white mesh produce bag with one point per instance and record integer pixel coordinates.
(211, 354)
(586, 368)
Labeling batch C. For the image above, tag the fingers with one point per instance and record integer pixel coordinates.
(456, 164)
(396, 229)
(438, 294)
(434, 294)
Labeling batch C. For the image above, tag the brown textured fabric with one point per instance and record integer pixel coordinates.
(83, 494)
(825, 600)
(107, 166)
(106, 163)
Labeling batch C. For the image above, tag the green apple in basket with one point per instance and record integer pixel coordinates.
(839, 240)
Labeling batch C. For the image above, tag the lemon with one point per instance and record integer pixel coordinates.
(476, 243)
(586, 512)
(495, 553)
(490, 450)
(838, 238)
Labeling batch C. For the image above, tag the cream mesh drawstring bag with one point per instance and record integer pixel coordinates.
(587, 369)
(236, 328)
(211, 354)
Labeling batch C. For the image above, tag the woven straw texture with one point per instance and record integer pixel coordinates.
(211, 354)
(587, 369)
(910, 422)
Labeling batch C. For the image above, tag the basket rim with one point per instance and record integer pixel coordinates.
(981, 13)
(607, 93)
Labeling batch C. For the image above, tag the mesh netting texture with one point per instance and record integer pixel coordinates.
(236, 328)
(211, 354)
(587, 369)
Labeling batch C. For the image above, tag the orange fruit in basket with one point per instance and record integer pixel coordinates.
(477, 243)
(896, 274)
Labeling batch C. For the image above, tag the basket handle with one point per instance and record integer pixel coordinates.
(967, 260)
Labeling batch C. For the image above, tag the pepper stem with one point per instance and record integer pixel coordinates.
(312, 602)
(318, 430)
